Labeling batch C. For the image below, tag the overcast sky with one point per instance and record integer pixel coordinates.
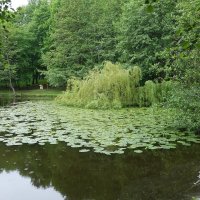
(17, 3)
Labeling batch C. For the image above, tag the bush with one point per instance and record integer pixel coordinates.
(112, 87)
(186, 101)
(185, 97)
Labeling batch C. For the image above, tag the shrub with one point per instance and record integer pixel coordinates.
(112, 87)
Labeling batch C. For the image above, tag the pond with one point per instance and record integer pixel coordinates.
(52, 152)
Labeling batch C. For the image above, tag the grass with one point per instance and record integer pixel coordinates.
(32, 93)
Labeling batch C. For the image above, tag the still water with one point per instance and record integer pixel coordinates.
(58, 172)
(20, 185)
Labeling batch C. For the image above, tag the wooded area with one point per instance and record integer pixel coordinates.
(59, 40)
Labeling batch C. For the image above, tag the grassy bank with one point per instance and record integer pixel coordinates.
(32, 93)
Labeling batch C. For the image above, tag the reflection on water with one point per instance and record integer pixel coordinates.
(162, 175)
(57, 172)
(14, 186)
(6, 99)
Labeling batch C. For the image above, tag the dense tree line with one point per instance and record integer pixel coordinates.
(62, 39)
(65, 38)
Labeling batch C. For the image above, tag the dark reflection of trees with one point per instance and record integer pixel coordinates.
(9, 99)
(153, 175)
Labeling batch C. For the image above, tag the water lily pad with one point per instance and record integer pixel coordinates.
(84, 150)
(138, 151)
(108, 132)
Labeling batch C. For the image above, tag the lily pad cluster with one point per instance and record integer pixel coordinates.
(102, 131)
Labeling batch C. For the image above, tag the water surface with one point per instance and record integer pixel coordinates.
(58, 172)
(22, 188)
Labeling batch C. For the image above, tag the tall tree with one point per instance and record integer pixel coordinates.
(15, 54)
(39, 26)
(5, 14)
(185, 65)
(144, 35)
(83, 35)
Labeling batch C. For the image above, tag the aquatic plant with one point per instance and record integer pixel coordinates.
(101, 131)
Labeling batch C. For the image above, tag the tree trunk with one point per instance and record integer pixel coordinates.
(10, 82)
(10, 77)
(11, 86)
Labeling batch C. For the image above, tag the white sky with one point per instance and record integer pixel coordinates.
(17, 3)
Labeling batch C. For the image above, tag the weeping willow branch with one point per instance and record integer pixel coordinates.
(111, 87)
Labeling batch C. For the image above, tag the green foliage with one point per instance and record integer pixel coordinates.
(64, 39)
(150, 92)
(82, 35)
(7, 67)
(186, 100)
(15, 53)
(113, 87)
(188, 24)
(184, 63)
(108, 132)
(186, 95)
(24, 41)
(143, 36)
(5, 13)
(154, 93)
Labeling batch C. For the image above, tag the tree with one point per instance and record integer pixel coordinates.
(8, 68)
(33, 25)
(16, 53)
(185, 65)
(38, 24)
(143, 36)
(5, 14)
(78, 43)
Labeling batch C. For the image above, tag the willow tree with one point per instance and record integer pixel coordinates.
(111, 87)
